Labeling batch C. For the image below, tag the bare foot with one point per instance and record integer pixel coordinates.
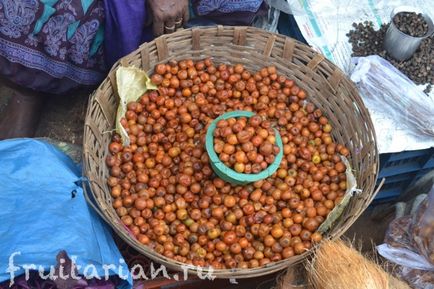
(21, 115)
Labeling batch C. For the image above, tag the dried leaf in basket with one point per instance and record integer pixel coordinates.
(339, 209)
(132, 83)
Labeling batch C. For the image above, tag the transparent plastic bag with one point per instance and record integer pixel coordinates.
(422, 228)
(269, 21)
(385, 88)
(409, 243)
(397, 233)
(418, 279)
(281, 5)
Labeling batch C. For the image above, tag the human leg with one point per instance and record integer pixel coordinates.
(21, 115)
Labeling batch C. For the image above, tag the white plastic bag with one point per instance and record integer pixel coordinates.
(385, 88)
(404, 257)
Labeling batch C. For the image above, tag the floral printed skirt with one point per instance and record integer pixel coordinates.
(52, 46)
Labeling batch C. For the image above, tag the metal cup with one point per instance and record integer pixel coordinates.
(402, 46)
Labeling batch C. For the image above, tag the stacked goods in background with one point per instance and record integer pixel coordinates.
(365, 41)
(400, 168)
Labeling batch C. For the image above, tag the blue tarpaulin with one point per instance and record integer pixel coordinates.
(43, 211)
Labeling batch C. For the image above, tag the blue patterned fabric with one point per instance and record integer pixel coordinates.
(228, 6)
(62, 38)
(36, 60)
(57, 45)
(48, 11)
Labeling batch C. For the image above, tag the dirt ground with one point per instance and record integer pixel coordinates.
(63, 117)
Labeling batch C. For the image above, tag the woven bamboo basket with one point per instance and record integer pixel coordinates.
(326, 85)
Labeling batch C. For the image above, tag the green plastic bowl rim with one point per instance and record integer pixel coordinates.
(226, 171)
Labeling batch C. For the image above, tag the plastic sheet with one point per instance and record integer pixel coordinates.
(269, 21)
(43, 211)
(386, 88)
(409, 244)
(422, 228)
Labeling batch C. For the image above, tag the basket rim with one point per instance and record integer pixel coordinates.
(228, 273)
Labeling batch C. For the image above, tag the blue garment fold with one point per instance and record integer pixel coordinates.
(124, 28)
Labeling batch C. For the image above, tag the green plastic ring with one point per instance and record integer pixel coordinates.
(228, 174)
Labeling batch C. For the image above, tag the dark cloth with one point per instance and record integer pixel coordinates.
(125, 28)
(52, 45)
(230, 12)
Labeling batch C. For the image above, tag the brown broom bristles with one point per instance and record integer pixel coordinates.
(336, 265)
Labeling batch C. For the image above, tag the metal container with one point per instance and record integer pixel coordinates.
(402, 46)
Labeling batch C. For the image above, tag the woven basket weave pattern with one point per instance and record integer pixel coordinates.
(325, 84)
